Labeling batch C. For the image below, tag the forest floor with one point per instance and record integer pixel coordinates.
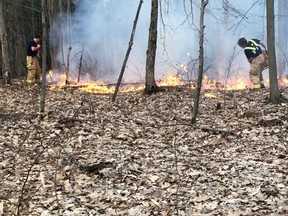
(140, 155)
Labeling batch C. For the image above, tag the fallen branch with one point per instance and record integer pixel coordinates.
(174, 145)
(203, 128)
(214, 130)
(20, 199)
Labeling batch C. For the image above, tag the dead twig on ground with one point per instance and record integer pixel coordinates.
(214, 130)
(20, 199)
(177, 172)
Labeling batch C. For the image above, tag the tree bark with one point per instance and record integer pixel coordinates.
(282, 30)
(274, 88)
(201, 62)
(6, 69)
(67, 71)
(55, 42)
(150, 84)
(44, 58)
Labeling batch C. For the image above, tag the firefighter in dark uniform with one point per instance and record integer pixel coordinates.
(34, 70)
(256, 59)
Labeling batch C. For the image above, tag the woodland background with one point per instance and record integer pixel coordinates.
(21, 19)
(140, 155)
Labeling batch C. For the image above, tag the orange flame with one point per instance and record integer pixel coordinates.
(171, 80)
(237, 84)
(284, 80)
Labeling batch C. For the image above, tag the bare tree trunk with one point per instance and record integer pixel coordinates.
(201, 62)
(6, 70)
(80, 65)
(282, 30)
(61, 38)
(128, 52)
(68, 15)
(67, 71)
(33, 18)
(274, 88)
(44, 58)
(55, 41)
(150, 84)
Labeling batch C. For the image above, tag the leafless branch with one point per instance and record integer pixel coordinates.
(20, 198)
(174, 145)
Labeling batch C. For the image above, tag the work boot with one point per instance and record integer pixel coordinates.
(30, 82)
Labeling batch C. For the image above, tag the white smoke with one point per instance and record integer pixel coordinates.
(103, 28)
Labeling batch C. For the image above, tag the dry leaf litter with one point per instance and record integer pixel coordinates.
(140, 155)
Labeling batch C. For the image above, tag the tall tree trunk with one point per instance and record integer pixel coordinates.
(68, 24)
(44, 58)
(33, 17)
(6, 70)
(274, 88)
(62, 32)
(52, 11)
(201, 62)
(282, 29)
(55, 10)
(150, 84)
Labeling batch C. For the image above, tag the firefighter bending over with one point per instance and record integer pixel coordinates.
(34, 70)
(256, 59)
